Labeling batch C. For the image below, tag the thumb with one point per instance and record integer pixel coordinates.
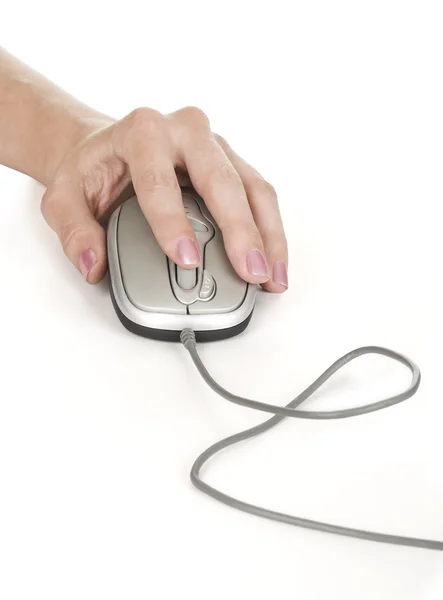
(83, 239)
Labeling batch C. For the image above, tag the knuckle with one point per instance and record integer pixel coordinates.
(146, 118)
(227, 174)
(220, 140)
(192, 114)
(154, 179)
(264, 188)
(51, 205)
(69, 233)
(220, 178)
(46, 203)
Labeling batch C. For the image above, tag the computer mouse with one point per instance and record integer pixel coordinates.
(155, 298)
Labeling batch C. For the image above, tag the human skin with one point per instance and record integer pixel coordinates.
(89, 161)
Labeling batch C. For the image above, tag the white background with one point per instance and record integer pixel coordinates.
(339, 105)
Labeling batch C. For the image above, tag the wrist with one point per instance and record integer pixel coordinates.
(39, 122)
(63, 135)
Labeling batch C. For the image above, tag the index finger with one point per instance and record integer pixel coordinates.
(144, 147)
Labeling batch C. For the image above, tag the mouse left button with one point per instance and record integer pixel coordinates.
(143, 265)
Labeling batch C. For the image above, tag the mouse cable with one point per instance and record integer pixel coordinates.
(188, 340)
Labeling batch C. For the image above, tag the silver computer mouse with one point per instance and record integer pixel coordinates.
(155, 298)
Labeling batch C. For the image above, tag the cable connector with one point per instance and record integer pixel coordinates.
(187, 338)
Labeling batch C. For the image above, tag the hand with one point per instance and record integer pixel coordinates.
(157, 153)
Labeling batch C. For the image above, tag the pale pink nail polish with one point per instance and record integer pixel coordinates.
(188, 253)
(87, 261)
(280, 273)
(257, 263)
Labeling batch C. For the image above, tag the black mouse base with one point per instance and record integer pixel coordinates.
(164, 335)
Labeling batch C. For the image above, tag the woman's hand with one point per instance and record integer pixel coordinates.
(157, 153)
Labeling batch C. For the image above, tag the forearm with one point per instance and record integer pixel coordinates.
(38, 121)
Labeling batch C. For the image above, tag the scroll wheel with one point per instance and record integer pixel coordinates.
(186, 278)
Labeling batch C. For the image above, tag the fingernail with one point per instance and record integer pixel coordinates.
(87, 261)
(257, 263)
(280, 273)
(188, 252)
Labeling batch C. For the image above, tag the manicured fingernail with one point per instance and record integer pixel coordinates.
(256, 263)
(280, 273)
(87, 261)
(188, 253)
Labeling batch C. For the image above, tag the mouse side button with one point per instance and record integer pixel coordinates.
(208, 287)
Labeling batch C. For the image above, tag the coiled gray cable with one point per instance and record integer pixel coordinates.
(290, 410)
